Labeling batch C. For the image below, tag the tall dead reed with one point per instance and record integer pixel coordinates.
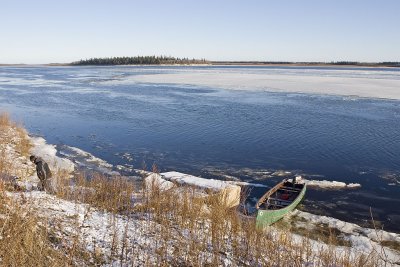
(113, 194)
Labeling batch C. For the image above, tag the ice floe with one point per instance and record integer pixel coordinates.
(361, 83)
(324, 184)
(87, 160)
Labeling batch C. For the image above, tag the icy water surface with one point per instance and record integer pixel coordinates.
(212, 131)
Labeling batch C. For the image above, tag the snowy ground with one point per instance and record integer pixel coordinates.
(360, 238)
(97, 230)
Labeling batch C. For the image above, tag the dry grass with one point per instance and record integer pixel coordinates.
(221, 235)
(113, 194)
(198, 231)
(24, 145)
(14, 135)
(4, 120)
(26, 240)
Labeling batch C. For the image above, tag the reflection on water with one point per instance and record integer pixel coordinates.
(249, 135)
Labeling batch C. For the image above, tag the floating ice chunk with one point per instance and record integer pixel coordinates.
(89, 157)
(247, 184)
(324, 184)
(281, 173)
(87, 160)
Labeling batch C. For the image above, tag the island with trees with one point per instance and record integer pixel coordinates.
(169, 60)
(140, 60)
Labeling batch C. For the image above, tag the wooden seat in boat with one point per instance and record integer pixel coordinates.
(293, 189)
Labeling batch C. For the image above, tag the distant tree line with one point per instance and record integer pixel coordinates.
(355, 63)
(341, 63)
(390, 64)
(167, 60)
(139, 60)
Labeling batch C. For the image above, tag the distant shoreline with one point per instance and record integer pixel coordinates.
(302, 65)
(222, 63)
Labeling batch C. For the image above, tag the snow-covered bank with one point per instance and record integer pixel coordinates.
(229, 193)
(100, 230)
(361, 83)
(97, 230)
(48, 152)
(361, 239)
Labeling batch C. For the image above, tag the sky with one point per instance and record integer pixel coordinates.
(60, 31)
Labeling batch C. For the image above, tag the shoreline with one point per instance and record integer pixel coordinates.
(216, 64)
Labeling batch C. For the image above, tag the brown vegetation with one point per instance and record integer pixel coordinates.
(27, 240)
(113, 194)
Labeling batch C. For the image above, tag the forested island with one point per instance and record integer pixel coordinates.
(168, 60)
(140, 60)
(332, 63)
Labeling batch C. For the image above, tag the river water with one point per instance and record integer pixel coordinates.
(254, 134)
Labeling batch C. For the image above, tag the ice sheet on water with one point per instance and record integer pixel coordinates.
(361, 83)
(87, 160)
(30, 81)
(324, 184)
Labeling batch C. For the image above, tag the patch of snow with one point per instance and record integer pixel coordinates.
(156, 180)
(362, 239)
(49, 153)
(181, 178)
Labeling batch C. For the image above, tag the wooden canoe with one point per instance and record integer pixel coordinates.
(278, 201)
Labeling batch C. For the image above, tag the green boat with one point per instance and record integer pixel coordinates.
(278, 201)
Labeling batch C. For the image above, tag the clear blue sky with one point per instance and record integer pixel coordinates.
(44, 31)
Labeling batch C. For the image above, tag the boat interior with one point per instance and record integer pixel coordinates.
(283, 196)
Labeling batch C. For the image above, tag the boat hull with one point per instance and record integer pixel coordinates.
(268, 217)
